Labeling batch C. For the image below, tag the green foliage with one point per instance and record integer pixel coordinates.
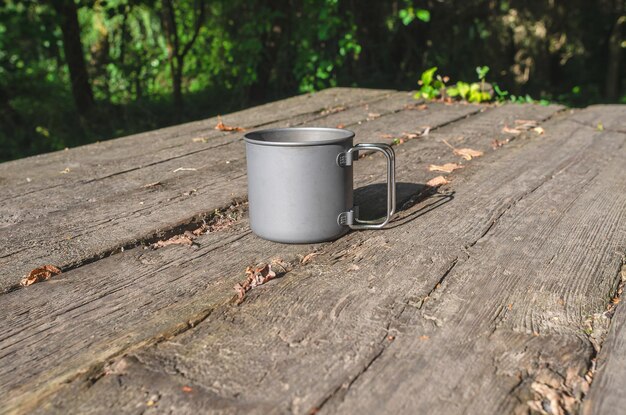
(252, 51)
(409, 14)
(431, 86)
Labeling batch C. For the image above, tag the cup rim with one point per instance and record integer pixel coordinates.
(337, 135)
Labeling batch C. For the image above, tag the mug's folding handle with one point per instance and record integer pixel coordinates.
(351, 218)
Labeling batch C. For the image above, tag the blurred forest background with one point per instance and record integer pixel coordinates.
(73, 72)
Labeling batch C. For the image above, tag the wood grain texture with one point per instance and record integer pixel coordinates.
(133, 298)
(410, 318)
(91, 220)
(607, 390)
(131, 152)
(127, 275)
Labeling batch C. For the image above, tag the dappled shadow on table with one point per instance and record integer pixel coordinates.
(372, 201)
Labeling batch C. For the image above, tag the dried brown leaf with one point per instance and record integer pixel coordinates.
(187, 389)
(255, 276)
(340, 126)
(40, 274)
(184, 239)
(437, 181)
(200, 139)
(467, 153)
(539, 130)
(307, 258)
(525, 124)
(446, 168)
(332, 110)
(223, 127)
(418, 107)
(508, 130)
(372, 115)
(495, 144)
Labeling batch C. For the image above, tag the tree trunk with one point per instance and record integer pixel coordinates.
(612, 83)
(177, 51)
(177, 82)
(74, 57)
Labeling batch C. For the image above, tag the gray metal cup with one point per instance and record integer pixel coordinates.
(300, 184)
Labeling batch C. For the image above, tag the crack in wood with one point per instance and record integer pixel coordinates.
(611, 307)
(341, 390)
(599, 127)
(99, 370)
(193, 224)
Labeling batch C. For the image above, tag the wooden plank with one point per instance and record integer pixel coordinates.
(97, 163)
(105, 166)
(424, 322)
(606, 395)
(111, 156)
(97, 218)
(603, 118)
(135, 297)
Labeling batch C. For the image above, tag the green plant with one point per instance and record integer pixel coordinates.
(409, 14)
(431, 86)
(474, 92)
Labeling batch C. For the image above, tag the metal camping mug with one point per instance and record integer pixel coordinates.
(300, 187)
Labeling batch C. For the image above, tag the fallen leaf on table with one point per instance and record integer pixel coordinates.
(255, 276)
(495, 144)
(407, 136)
(223, 127)
(467, 153)
(508, 130)
(447, 168)
(525, 124)
(65, 170)
(340, 126)
(521, 126)
(187, 389)
(332, 110)
(40, 274)
(309, 257)
(600, 126)
(419, 107)
(184, 239)
(372, 115)
(200, 139)
(424, 337)
(437, 181)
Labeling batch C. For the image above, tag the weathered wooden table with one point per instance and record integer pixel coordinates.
(496, 293)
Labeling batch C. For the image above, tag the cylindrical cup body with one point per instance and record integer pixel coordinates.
(297, 192)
